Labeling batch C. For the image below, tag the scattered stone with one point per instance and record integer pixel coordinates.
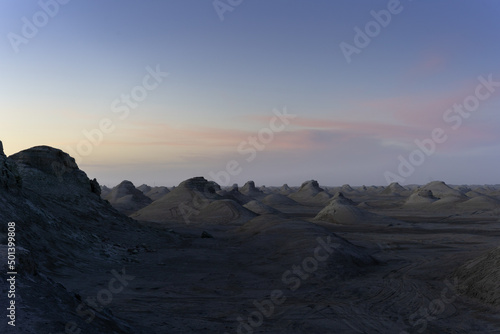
(206, 235)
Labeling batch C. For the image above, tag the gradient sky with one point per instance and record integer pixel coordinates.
(225, 77)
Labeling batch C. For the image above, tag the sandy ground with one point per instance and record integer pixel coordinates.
(189, 284)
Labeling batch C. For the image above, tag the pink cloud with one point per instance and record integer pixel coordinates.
(430, 62)
(425, 111)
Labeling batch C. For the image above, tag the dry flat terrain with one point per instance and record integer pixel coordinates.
(196, 258)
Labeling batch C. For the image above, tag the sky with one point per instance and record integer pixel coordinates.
(343, 92)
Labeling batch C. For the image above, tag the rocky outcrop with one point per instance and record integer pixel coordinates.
(61, 230)
(47, 170)
(250, 190)
(182, 203)
(342, 210)
(127, 199)
(394, 189)
(311, 193)
(9, 175)
(479, 278)
(260, 208)
(421, 196)
(153, 192)
(441, 190)
(285, 190)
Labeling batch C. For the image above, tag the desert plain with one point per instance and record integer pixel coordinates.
(201, 258)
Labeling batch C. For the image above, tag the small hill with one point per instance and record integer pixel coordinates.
(278, 200)
(195, 200)
(481, 203)
(236, 195)
(421, 197)
(260, 208)
(440, 190)
(394, 189)
(285, 190)
(307, 193)
(58, 214)
(342, 210)
(127, 199)
(153, 192)
(250, 190)
(223, 212)
(105, 191)
(291, 241)
(346, 188)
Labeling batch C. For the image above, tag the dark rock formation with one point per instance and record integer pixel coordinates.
(250, 190)
(127, 199)
(9, 175)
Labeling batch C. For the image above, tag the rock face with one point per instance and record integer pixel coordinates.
(278, 200)
(285, 190)
(260, 208)
(48, 170)
(438, 194)
(47, 159)
(479, 278)
(197, 200)
(104, 191)
(394, 189)
(200, 184)
(421, 197)
(58, 214)
(347, 188)
(9, 175)
(441, 190)
(311, 193)
(153, 192)
(342, 210)
(235, 194)
(250, 190)
(127, 199)
(185, 200)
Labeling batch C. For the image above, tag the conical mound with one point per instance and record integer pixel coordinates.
(190, 196)
(127, 199)
(307, 193)
(341, 210)
(250, 190)
(260, 208)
